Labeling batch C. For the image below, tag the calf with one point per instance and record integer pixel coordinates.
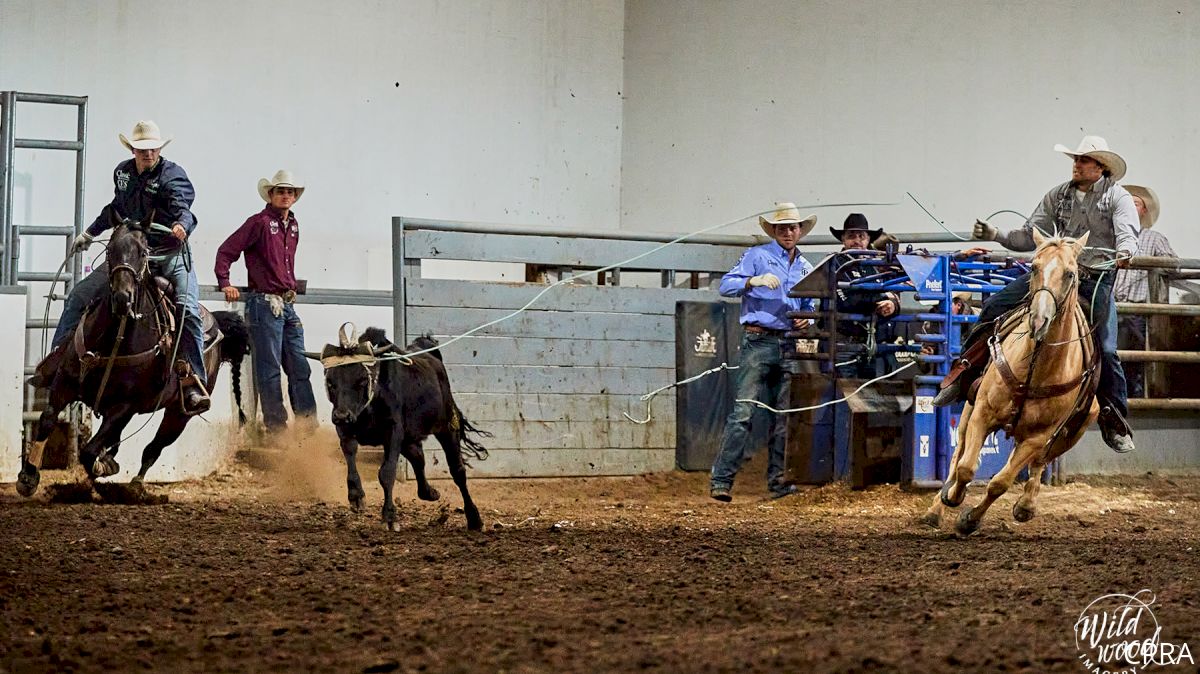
(380, 399)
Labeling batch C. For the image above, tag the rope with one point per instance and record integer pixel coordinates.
(405, 358)
(650, 396)
(865, 384)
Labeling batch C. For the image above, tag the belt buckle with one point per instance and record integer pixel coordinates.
(289, 296)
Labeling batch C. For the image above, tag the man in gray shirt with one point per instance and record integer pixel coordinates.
(1092, 201)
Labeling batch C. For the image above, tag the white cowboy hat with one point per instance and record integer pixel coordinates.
(145, 136)
(283, 178)
(1148, 197)
(786, 213)
(1097, 148)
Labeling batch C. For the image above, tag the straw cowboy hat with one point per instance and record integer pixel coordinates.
(1148, 196)
(145, 136)
(786, 213)
(856, 221)
(1097, 148)
(283, 178)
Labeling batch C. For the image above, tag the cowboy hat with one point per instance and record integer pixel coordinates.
(283, 178)
(1148, 197)
(145, 136)
(856, 221)
(1097, 148)
(786, 213)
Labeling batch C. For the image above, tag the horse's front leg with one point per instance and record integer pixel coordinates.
(31, 464)
(933, 516)
(92, 457)
(1022, 455)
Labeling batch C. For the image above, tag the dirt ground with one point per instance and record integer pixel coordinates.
(269, 570)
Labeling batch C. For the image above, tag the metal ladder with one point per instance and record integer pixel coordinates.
(10, 244)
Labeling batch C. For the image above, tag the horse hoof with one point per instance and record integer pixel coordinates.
(430, 494)
(474, 523)
(1021, 513)
(27, 480)
(966, 525)
(945, 496)
(105, 466)
(931, 519)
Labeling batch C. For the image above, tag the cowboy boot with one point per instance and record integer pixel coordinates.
(44, 373)
(1115, 430)
(965, 370)
(195, 398)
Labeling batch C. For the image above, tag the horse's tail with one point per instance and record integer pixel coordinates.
(470, 446)
(234, 348)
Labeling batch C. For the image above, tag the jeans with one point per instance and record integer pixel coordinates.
(279, 341)
(1103, 316)
(760, 376)
(187, 292)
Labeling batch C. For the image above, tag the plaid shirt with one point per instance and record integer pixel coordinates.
(1133, 285)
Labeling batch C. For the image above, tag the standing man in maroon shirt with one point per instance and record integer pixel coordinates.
(269, 238)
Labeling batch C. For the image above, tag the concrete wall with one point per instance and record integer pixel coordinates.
(12, 307)
(476, 110)
(732, 105)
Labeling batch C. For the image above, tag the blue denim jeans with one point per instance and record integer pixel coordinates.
(760, 376)
(278, 341)
(1102, 312)
(187, 292)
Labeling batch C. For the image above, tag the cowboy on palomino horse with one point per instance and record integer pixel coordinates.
(147, 187)
(1092, 205)
(1040, 387)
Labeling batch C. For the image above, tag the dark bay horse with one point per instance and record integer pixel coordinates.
(1039, 385)
(119, 360)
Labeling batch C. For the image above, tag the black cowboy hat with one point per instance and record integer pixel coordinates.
(856, 221)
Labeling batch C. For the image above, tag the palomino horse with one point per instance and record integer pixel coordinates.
(118, 360)
(1039, 387)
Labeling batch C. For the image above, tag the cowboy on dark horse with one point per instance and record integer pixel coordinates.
(147, 186)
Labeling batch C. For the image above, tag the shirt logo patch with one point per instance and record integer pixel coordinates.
(152, 188)
(122, 180)
(274, 227)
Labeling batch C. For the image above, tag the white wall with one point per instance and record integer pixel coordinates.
(731, 106)
(502, 111)
(12, 335)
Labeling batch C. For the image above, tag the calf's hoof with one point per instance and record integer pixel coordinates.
(966, 524)
(428, 494)
(474, 522)
(393, 526)
(27, 480)
(1021, 513)
(931, 519)
(356, 503)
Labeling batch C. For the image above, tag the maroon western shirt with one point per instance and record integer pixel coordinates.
(270, 247)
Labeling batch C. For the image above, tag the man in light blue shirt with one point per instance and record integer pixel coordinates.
(762, 279)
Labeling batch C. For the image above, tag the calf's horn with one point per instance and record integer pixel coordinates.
(348, 342)
(312, 355)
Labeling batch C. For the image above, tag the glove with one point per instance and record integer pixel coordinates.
(769, 280)
(81, 243)
(984, 232)
(882, 242)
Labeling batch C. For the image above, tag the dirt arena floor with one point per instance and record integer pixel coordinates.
(269, 570)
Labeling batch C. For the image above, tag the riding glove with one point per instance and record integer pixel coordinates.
(769, 280)
(81, 243)
(984, 232)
